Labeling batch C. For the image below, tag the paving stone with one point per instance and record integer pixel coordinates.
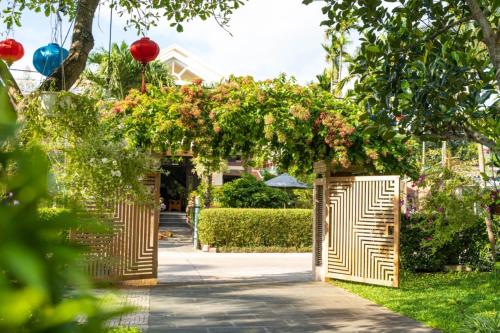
(257, 293)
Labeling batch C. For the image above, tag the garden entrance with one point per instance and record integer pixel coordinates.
(355, 229)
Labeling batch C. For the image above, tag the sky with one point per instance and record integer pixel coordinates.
(269, 37)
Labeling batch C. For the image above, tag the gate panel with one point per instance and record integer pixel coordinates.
(363, 231)
(130, 251)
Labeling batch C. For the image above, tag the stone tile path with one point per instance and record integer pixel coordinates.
(255, 307)
(256, 293)
(135, 297)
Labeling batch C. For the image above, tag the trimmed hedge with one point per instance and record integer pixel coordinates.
(255, 228)
(264, 249)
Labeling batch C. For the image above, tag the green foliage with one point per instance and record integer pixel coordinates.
(124, 74)
(302, 198)
(248, 192)
(274, 120)
(467, 247)
(141, 14)
(481, 324)
(445, 301)
(454, 203)
(427, 67)
(236, 227)
(449, 227)
(88, 162)
(42, 285)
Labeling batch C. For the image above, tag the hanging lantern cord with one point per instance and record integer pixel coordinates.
(108, 79)
(143, 87)
(59, 20)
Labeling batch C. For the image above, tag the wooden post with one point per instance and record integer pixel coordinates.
(443, 154)
(423, 155)
(481, 164)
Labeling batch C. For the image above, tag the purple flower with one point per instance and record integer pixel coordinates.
(429, 238)
(440, 209)
(420, 179)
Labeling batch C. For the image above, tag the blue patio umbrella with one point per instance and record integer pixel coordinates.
(286, 181)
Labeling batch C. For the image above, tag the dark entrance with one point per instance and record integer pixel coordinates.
(178, 179)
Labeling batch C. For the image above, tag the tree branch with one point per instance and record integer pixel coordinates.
(81, 45)
(490, 37)
(448, 27)
(463, 133)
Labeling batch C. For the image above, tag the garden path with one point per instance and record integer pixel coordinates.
(253, 293)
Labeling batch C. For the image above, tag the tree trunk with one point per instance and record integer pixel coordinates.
(81, 44)
(491, 36)
(488, 220)
(208, 191)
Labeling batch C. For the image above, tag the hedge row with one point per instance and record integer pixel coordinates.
(252, 228)
(264, 249)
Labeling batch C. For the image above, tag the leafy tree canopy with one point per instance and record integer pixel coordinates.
(432, 67)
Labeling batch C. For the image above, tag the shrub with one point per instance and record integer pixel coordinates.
(227, 227)
(467, 247)
(248, 192)
(264, 249)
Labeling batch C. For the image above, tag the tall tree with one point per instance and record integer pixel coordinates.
(431, 66)
(141, 14)
(114, 73)
(336, 55)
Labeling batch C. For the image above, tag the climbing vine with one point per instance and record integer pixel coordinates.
(276, 120)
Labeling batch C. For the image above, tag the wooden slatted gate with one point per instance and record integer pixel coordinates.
(360, 229)
(130, 252)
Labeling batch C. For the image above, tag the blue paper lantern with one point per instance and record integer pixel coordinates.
(48, 58)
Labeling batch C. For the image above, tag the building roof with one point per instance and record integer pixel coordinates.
(185, 67)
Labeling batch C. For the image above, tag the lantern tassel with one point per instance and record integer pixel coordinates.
(143, 89)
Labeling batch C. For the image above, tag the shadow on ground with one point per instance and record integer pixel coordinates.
(259, 305)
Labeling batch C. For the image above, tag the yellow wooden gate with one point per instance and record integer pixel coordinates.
(130, 251)
(360, 241)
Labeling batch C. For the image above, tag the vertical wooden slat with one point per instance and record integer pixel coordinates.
(130, 252)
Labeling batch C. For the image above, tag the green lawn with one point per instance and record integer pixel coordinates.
(440, 300)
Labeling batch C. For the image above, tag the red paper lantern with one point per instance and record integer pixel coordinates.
(144, 50)
(11, 50)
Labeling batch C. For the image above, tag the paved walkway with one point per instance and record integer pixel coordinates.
(256, 293)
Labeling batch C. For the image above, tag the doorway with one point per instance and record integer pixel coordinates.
(178, 180)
